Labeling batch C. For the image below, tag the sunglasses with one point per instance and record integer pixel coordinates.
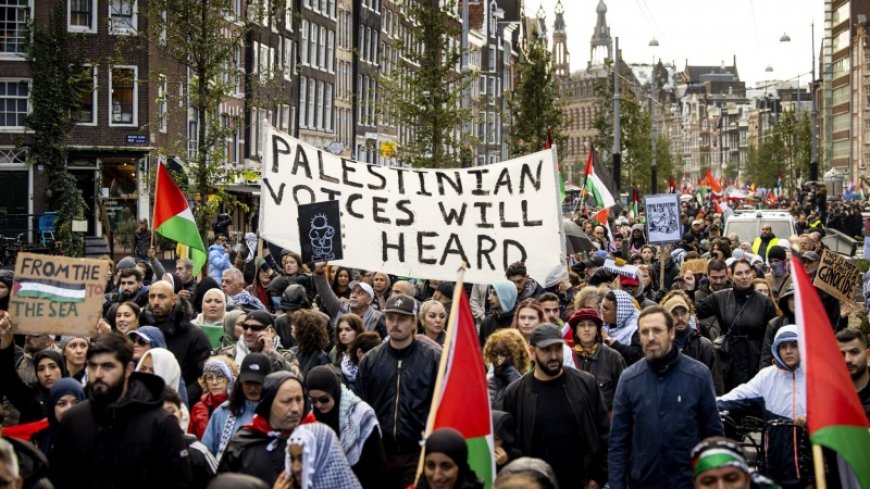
(139, 340)
(320, 400)
(253, 326)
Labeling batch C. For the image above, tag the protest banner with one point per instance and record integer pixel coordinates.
(57, 295)
(421, 222)
(696, 266)
(837, 276)
(663, 218)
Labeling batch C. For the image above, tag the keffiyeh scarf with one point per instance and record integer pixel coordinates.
(324, 465)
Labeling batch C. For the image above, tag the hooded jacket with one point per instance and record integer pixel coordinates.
(774, 325)
(131, 444)
(188, 343)
(780, 391)
(218, 262)
(506, 292)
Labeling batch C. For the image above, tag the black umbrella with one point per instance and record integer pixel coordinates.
(575, 239)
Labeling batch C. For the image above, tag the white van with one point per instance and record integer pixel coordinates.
(747, 224)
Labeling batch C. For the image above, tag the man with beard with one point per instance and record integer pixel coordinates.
(397, 379)
(560, 414)
(853, 345)
(130, 288)
(359, 303)
(663, 405)
(120, 436)
(717, 279)
(188, 343)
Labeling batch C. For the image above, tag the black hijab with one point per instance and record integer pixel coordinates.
(56, 357)
(323, 378)
(451, 443)
(6, 279)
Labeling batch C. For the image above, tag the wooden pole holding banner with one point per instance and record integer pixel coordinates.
(819, 466)
(154, 204)
(442, 366)
(662, 267)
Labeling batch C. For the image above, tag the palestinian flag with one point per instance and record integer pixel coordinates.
(594, 186)
(461, 399)
(635, 198)
(672, 185)
(40, 288)
(602, 216)
(173, 219)
(835, 417)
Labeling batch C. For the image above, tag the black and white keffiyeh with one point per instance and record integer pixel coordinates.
(324, 465)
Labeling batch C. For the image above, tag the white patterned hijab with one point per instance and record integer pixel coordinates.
(324, 465)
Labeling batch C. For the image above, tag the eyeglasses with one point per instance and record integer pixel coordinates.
(253, 326)
(213, 378)
(139, 340)
(322, 400)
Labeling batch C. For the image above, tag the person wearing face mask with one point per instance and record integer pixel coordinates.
(508, 357)
(779, 276)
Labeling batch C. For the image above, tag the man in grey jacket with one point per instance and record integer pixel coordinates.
(359, 303)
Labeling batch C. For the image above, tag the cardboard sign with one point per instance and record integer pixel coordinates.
(696, 266)
(663, 218)
(320, 232)
(57, 295)
(629, 271)
(837, 276)
(415, 222)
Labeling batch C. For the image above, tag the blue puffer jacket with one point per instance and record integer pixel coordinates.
(218, 262)
(212, 436)
(657, 419)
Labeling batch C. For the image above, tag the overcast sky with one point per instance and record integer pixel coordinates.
(706, 32)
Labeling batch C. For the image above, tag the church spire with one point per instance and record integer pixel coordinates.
(561, 57)
(600, 47)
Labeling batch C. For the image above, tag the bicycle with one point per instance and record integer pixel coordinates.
(748, 433)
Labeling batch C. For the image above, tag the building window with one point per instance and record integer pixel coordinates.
(14, 15)
(327, 108)
(321, 60)
(122, 16)
(330, 51)
(122, 96)
(86, 89)
(14, 103)
(82, 15)
(162, 103)
(192, 139)
(303, 97)
(303, 52)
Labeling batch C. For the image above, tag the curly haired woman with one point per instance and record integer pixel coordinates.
(506, 353)
(312, 339)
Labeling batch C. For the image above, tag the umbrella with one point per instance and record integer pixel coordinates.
(575, 239)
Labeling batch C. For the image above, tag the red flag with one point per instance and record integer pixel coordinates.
(672, 185)
(549, 141)
(835, 416)
(712, 183)
(601, 216)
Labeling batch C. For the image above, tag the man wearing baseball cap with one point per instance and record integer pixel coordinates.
(359, 303)
(560, 414)
(397, 379)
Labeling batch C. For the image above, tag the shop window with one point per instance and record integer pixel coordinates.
(122, 96)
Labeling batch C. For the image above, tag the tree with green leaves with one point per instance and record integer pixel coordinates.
(56, 71)
(203, 37)
(425, 92)
(534, 103)
(784, 151)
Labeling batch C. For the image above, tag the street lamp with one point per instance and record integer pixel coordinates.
(814, 152)
(652, 112)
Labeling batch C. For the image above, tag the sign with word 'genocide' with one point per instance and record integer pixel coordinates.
(837, 276)
(57, 295)
(421, 222)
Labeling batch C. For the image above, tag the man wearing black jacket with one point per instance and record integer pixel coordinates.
(120, 436)
(397, 379)
(188, 343)
(560, 415)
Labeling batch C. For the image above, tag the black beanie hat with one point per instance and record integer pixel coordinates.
(777, 252)
(451, 443)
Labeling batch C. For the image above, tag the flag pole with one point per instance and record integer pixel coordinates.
(442, 366)
(154, 210)
(819, 466)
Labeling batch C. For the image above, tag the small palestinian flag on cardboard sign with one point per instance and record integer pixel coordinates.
(53, 290)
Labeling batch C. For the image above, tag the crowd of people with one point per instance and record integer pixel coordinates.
(265, 372)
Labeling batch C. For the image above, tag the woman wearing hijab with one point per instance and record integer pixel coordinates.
(352, 420)
(619, 312)
(445, 464)
(162, 363)
(211, 319)
(29, 400)
(5, 288)
(314, 460)
(206, 284)
(231, 334)
(218, 377)
(64, 394)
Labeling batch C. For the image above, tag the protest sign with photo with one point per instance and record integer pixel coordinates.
(663, 218)
(57, 295)
(837, 276)
(421, 222)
